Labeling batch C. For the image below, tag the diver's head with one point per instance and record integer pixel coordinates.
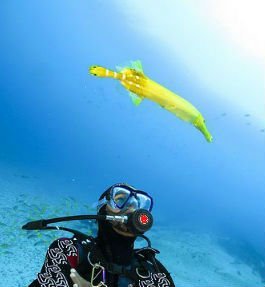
(123, 199)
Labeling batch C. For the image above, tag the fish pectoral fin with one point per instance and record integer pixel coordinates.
(135, 99)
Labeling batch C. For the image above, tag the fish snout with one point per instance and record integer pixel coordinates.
(205, 132)
(201, 126)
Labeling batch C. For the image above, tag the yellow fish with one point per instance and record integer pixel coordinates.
(141, 87)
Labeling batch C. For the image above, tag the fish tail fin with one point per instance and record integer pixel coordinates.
(103, 72)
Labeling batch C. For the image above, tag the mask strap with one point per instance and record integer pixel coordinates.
(101, 202)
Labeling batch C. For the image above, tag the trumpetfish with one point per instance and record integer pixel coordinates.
(141, 87)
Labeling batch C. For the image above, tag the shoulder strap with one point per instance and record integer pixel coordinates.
(83, 247)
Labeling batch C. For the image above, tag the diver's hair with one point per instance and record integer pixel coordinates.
(107, 191)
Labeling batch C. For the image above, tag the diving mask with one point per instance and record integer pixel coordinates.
(124, 198)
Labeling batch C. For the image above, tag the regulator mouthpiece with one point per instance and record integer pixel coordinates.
(140, 221)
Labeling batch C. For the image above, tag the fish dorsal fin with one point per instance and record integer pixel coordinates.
(136, 65)
(135, 99)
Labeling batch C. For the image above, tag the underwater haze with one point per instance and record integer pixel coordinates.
(66, 136)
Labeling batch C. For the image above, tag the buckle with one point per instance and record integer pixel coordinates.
(146, 251)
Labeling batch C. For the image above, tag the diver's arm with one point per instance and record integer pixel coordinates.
(163, 269)
(61, 255)
(78, 280)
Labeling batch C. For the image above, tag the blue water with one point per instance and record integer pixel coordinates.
(66, 133)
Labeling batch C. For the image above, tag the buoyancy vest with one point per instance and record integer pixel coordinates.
(143, 270)
(86, 257)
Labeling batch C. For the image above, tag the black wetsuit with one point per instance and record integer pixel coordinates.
(65, 253)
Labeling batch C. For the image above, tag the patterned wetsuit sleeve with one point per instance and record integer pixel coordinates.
(157, 279)
(55, 271)
(166, 277)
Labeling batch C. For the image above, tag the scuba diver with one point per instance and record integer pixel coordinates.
(110, 260)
